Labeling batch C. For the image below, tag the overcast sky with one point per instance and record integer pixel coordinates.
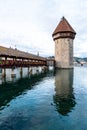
(28, 24)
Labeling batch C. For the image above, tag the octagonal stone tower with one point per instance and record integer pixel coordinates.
(63, 36)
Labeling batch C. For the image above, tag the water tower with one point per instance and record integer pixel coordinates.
(63, 36)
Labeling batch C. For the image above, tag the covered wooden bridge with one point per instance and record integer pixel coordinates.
(10, 57)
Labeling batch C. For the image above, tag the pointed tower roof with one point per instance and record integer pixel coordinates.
(63, 26)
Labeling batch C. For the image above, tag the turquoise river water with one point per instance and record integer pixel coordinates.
(49, 101)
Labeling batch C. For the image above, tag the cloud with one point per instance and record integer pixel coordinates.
(30, 24)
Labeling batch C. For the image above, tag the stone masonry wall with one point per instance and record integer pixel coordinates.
(64, 53)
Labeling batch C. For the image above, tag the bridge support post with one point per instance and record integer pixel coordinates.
(13, 75)
(4, 73)
(37, 70)
(28, 71)
(21, 72)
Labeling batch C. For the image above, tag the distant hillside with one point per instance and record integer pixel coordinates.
(76, 59)
(85, 59)
(79, 59)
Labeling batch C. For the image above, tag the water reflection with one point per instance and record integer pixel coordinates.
(10, 90)
(64, 97)
(13, 74)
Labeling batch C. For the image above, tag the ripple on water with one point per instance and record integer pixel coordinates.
(53, 102)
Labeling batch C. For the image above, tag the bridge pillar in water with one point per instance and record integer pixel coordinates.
(21, 72)
(13, 75)
(4, 72)
(63, 36)
(28, 71)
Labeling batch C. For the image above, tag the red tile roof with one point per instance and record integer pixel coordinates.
(63, 26)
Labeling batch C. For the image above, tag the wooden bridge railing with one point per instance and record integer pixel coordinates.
(18, 63)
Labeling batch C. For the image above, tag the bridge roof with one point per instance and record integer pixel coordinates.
(15, 53)
(63, 26)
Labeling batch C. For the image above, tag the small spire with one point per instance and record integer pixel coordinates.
(63, 18)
